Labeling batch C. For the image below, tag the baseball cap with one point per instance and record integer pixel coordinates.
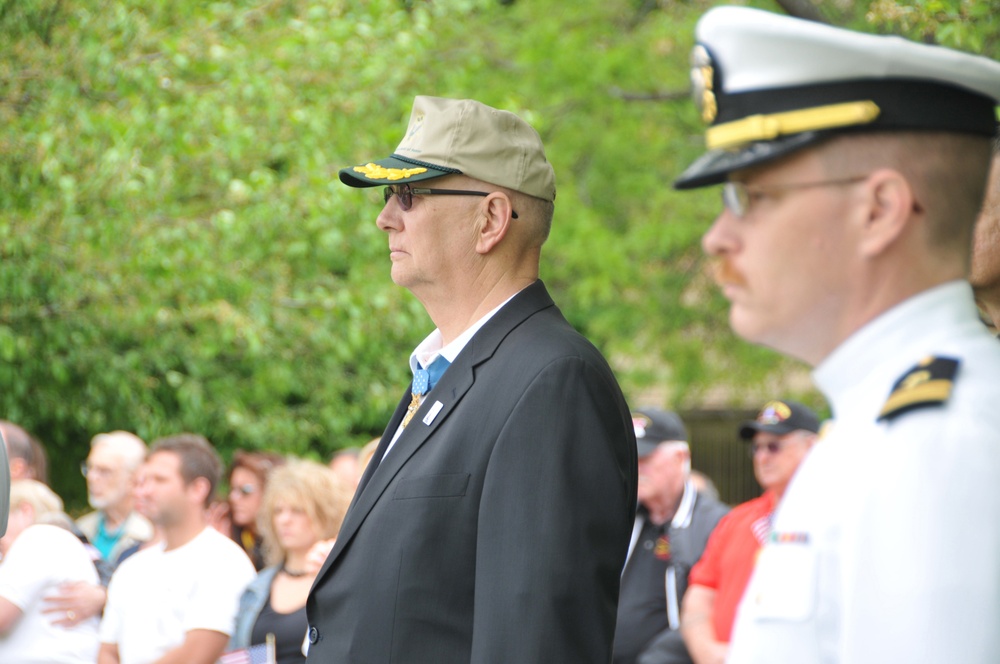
(781, 417)
(654, 426)
(770, 85)
(462, 136)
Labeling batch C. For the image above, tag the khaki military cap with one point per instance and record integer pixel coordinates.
(462, 136)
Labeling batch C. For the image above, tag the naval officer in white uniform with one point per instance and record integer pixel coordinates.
(852, 169)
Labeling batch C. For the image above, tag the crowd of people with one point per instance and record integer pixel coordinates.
(516, 509)
(162, 570)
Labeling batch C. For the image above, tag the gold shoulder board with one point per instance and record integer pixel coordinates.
(927, 384)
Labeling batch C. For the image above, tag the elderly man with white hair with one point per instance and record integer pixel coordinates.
(672, 525)
(110, 470)
(112, 527)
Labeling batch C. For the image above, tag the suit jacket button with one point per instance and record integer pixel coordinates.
(313, 635)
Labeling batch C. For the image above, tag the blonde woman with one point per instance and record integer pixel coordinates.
(304, 503)
(37, 559)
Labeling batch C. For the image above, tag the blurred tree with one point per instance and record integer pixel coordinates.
(177, 253)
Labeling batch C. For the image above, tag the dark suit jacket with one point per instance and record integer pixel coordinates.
(497, 532)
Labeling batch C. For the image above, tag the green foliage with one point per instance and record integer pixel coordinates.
(177, 253)
(971, 25)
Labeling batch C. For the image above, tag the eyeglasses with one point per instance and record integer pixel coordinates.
(772, 447)
(405, 194)
(97, 471)
(244, 490)
(738, 196)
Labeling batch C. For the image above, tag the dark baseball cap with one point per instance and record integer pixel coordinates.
(654, 426)
(781, 417)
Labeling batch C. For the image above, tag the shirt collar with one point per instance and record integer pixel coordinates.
(685, 510)
(431, 347)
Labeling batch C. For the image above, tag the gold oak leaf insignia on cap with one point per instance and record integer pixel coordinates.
(927, 384)
(703, 83)
(376, 172)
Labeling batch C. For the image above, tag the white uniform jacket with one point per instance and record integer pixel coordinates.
(886, 546)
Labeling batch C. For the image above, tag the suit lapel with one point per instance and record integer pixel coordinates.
(453, 385)
(383, 445)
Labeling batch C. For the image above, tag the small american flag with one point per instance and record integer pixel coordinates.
(761, 528)
(262, 653)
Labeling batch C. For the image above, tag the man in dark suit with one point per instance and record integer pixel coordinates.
(493, 521)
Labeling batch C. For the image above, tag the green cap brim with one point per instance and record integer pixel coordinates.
(392, 170)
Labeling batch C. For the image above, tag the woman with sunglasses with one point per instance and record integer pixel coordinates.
(248, 475)
(304, 504)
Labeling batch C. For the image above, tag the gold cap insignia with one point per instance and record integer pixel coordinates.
(640, 423)
(376, 172)
(703, 83)
(774, 412)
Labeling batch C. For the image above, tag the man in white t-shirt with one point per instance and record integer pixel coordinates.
(176, 601)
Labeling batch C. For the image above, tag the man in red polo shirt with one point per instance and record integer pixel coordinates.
(779, 439)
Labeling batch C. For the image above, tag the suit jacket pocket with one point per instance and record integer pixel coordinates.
(432, 486)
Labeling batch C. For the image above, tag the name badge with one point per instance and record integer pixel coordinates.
(432, 413)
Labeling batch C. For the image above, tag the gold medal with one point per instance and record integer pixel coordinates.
(412, 408)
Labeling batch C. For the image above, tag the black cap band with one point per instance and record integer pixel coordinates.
(903, 105)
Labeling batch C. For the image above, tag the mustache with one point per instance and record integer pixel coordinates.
(724, 273)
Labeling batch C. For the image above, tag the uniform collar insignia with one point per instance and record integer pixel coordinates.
(929, 383)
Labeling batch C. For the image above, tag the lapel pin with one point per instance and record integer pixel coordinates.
(432, 413)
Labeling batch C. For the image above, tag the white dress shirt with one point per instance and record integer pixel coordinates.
(433, 346)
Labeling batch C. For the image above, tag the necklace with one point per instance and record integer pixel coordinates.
(294, 575)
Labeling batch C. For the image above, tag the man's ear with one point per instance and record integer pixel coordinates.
(199, 490)
(891, 208)
(18, 467)
(811, 439)
(495, 220)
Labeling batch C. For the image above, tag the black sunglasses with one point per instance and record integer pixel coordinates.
(772, 446)
(405, 195)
